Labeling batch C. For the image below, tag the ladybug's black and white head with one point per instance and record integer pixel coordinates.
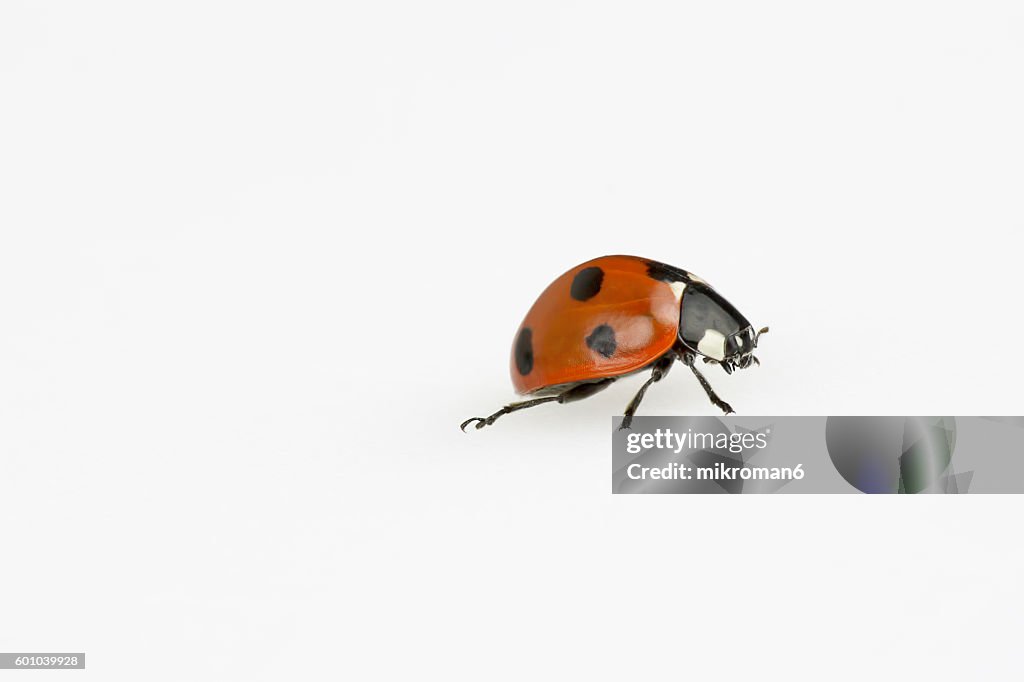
(712, 327)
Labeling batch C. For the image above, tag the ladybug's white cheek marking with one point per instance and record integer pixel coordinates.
(678, 288)
(712, 344)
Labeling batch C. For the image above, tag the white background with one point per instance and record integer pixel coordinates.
(258, 260)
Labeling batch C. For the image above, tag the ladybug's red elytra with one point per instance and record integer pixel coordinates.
(618, 315)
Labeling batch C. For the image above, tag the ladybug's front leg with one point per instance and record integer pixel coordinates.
(687, 359)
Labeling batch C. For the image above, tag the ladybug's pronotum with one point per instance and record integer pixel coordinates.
(618, 315)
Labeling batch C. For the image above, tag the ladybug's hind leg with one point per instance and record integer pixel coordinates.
(578, 392)
(658, 371)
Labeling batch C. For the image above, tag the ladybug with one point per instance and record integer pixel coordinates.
(618, 315)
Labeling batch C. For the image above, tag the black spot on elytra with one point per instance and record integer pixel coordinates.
(586, 283)
(524, 351)
(602, 340)
(666, 273)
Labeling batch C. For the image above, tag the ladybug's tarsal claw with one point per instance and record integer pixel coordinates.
(481, 422)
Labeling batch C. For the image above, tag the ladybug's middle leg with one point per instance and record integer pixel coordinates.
(660, 369)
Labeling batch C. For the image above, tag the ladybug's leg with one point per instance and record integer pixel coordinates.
(660, 369)
(687, 359)
(481, 422)
(570, 395)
